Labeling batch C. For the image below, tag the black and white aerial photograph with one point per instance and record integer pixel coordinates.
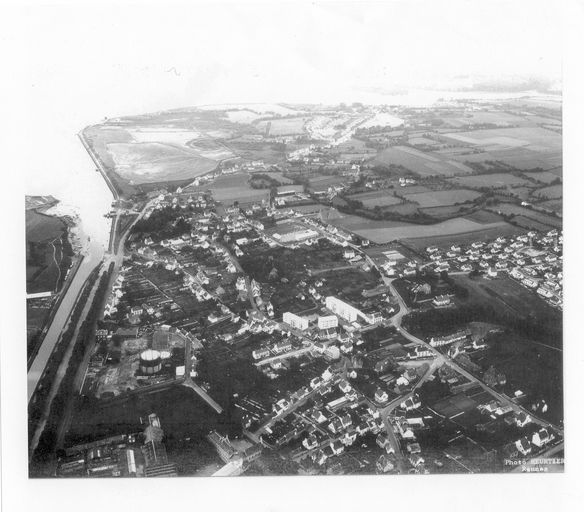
(277, 239)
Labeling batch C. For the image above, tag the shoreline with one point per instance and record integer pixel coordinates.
(54, 308)
(86, 248)
(98, 165)
(110, 185)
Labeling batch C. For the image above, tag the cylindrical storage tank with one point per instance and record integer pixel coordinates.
(150, 362)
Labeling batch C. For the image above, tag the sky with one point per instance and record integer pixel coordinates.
(136, 57)
(82, 61)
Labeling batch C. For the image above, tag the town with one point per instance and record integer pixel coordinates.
(270, 331)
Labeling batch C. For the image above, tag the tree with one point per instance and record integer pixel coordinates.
(494, 377)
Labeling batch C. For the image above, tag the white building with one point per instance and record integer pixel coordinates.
(295, 321)
(299, 235)
(328, 322)
(342, 309)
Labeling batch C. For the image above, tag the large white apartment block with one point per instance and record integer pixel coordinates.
(342, 309)
(328, 322)
(295, 321)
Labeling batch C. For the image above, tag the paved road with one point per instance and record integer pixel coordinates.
(505, 400)
(238, 267)
(288, 411)
(189, 383)
(440, 358)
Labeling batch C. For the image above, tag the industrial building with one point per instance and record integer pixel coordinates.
(150, 362)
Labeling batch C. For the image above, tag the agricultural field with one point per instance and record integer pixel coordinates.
(412, 189)
(139, 154)
(546, 177)
(555, 205)
(514, 209)
(535, 368)
(488, 233)
(524, 148)
(530, 223)
(244, 116)
(47, 251)
(534, 138)
(353, 149)
(507, 294)
(141, 163)
(422, 141)
(501, 119)
(170, 136)
(421, 163)
(443, 212)
(496, 180)
(37, 314)
(320, 183)
(522, 193)
(307, 209)
(279, 177)
(443, 197)
(378, 198)
(258, 108)
(558, 171)
(387, 231)
(179, 145)
(553, 106)
(484, 217)
(254, 147)
(521, 158)
(228, 196)
(42, 228)
(228, 188)
(402, 209)
(279, 127)
(239, 179)
(541, 120)
(553, 192)
(382, 119)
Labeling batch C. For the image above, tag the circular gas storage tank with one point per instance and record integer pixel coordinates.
(150, 361)
(149, 355)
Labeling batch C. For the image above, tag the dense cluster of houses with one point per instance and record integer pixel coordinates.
(330, 413)
(330, 416)
(533, 259)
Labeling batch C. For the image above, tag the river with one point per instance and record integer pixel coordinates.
(84, 196)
